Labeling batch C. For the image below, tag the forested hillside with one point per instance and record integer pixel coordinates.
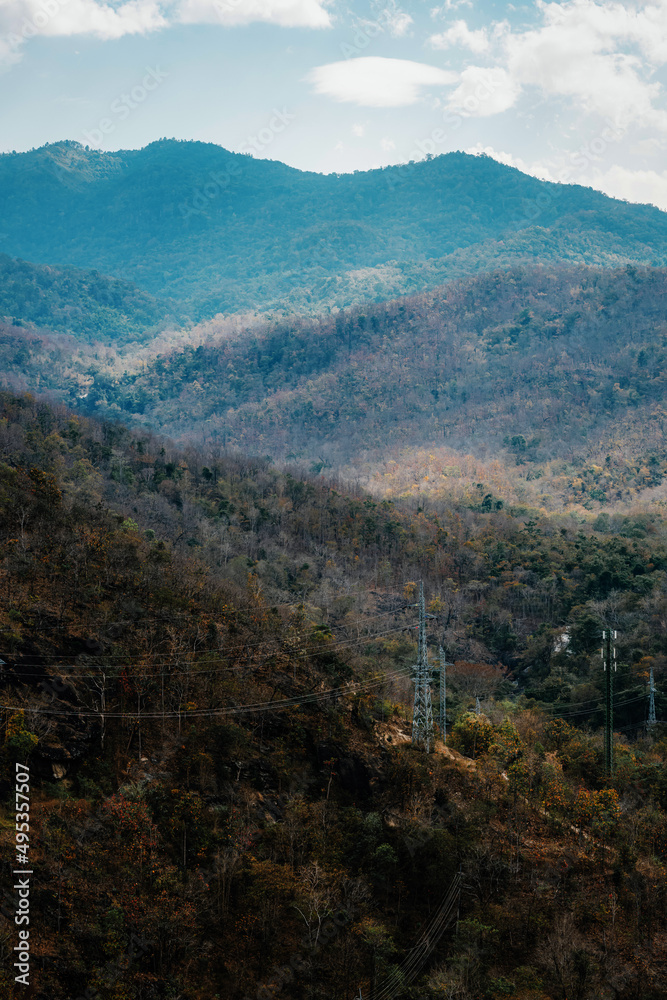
(206, 662)
(83, 303)
(225, 232)
(208, 639)
(552, 355)
(543, 385)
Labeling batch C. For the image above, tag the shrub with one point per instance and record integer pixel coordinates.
(507, 745)
(472, 735)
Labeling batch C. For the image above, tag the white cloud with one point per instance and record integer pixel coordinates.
(374, 81)
(449, 5)
(599, 56)
(358, 130)
(643, 186)
(580, 53)
(286, 13)
(389, 18)
(387, 145)
(397, 21)
(9, 52)
(645, 25)
(21, 20)
(460, 34)
(539, 170)
(507, 158)
(482, 92)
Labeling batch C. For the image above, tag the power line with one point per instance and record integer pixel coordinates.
(311, 697)
(340, 644)
(651, 703)
(608, 653)
(443, 694)
(597, 708)
(414, 961)
(577, 704)
(240, 646)
(422, 715)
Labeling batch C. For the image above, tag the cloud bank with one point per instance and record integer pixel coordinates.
(21, 20)
(598, 56)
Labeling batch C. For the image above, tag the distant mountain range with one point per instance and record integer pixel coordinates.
(483, 312)
(220, 231)
(206, 660)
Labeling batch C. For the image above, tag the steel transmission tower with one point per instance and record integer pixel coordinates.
(609, 661)
(422, 715)
(443, 695)
(651, 703)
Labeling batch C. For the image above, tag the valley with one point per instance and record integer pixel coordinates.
(528, 378)
(246, 412)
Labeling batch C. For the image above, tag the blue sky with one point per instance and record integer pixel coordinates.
(571, 91)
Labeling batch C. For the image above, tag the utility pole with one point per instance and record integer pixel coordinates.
(422, 714)
(443, 695)
(651, 704)
(609, 664)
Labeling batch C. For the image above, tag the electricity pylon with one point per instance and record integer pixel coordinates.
(478, 706)
(609, 664)
(651, 704)
(443, 695)
(422, 715)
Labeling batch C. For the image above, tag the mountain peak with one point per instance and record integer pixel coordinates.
(225, 231)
